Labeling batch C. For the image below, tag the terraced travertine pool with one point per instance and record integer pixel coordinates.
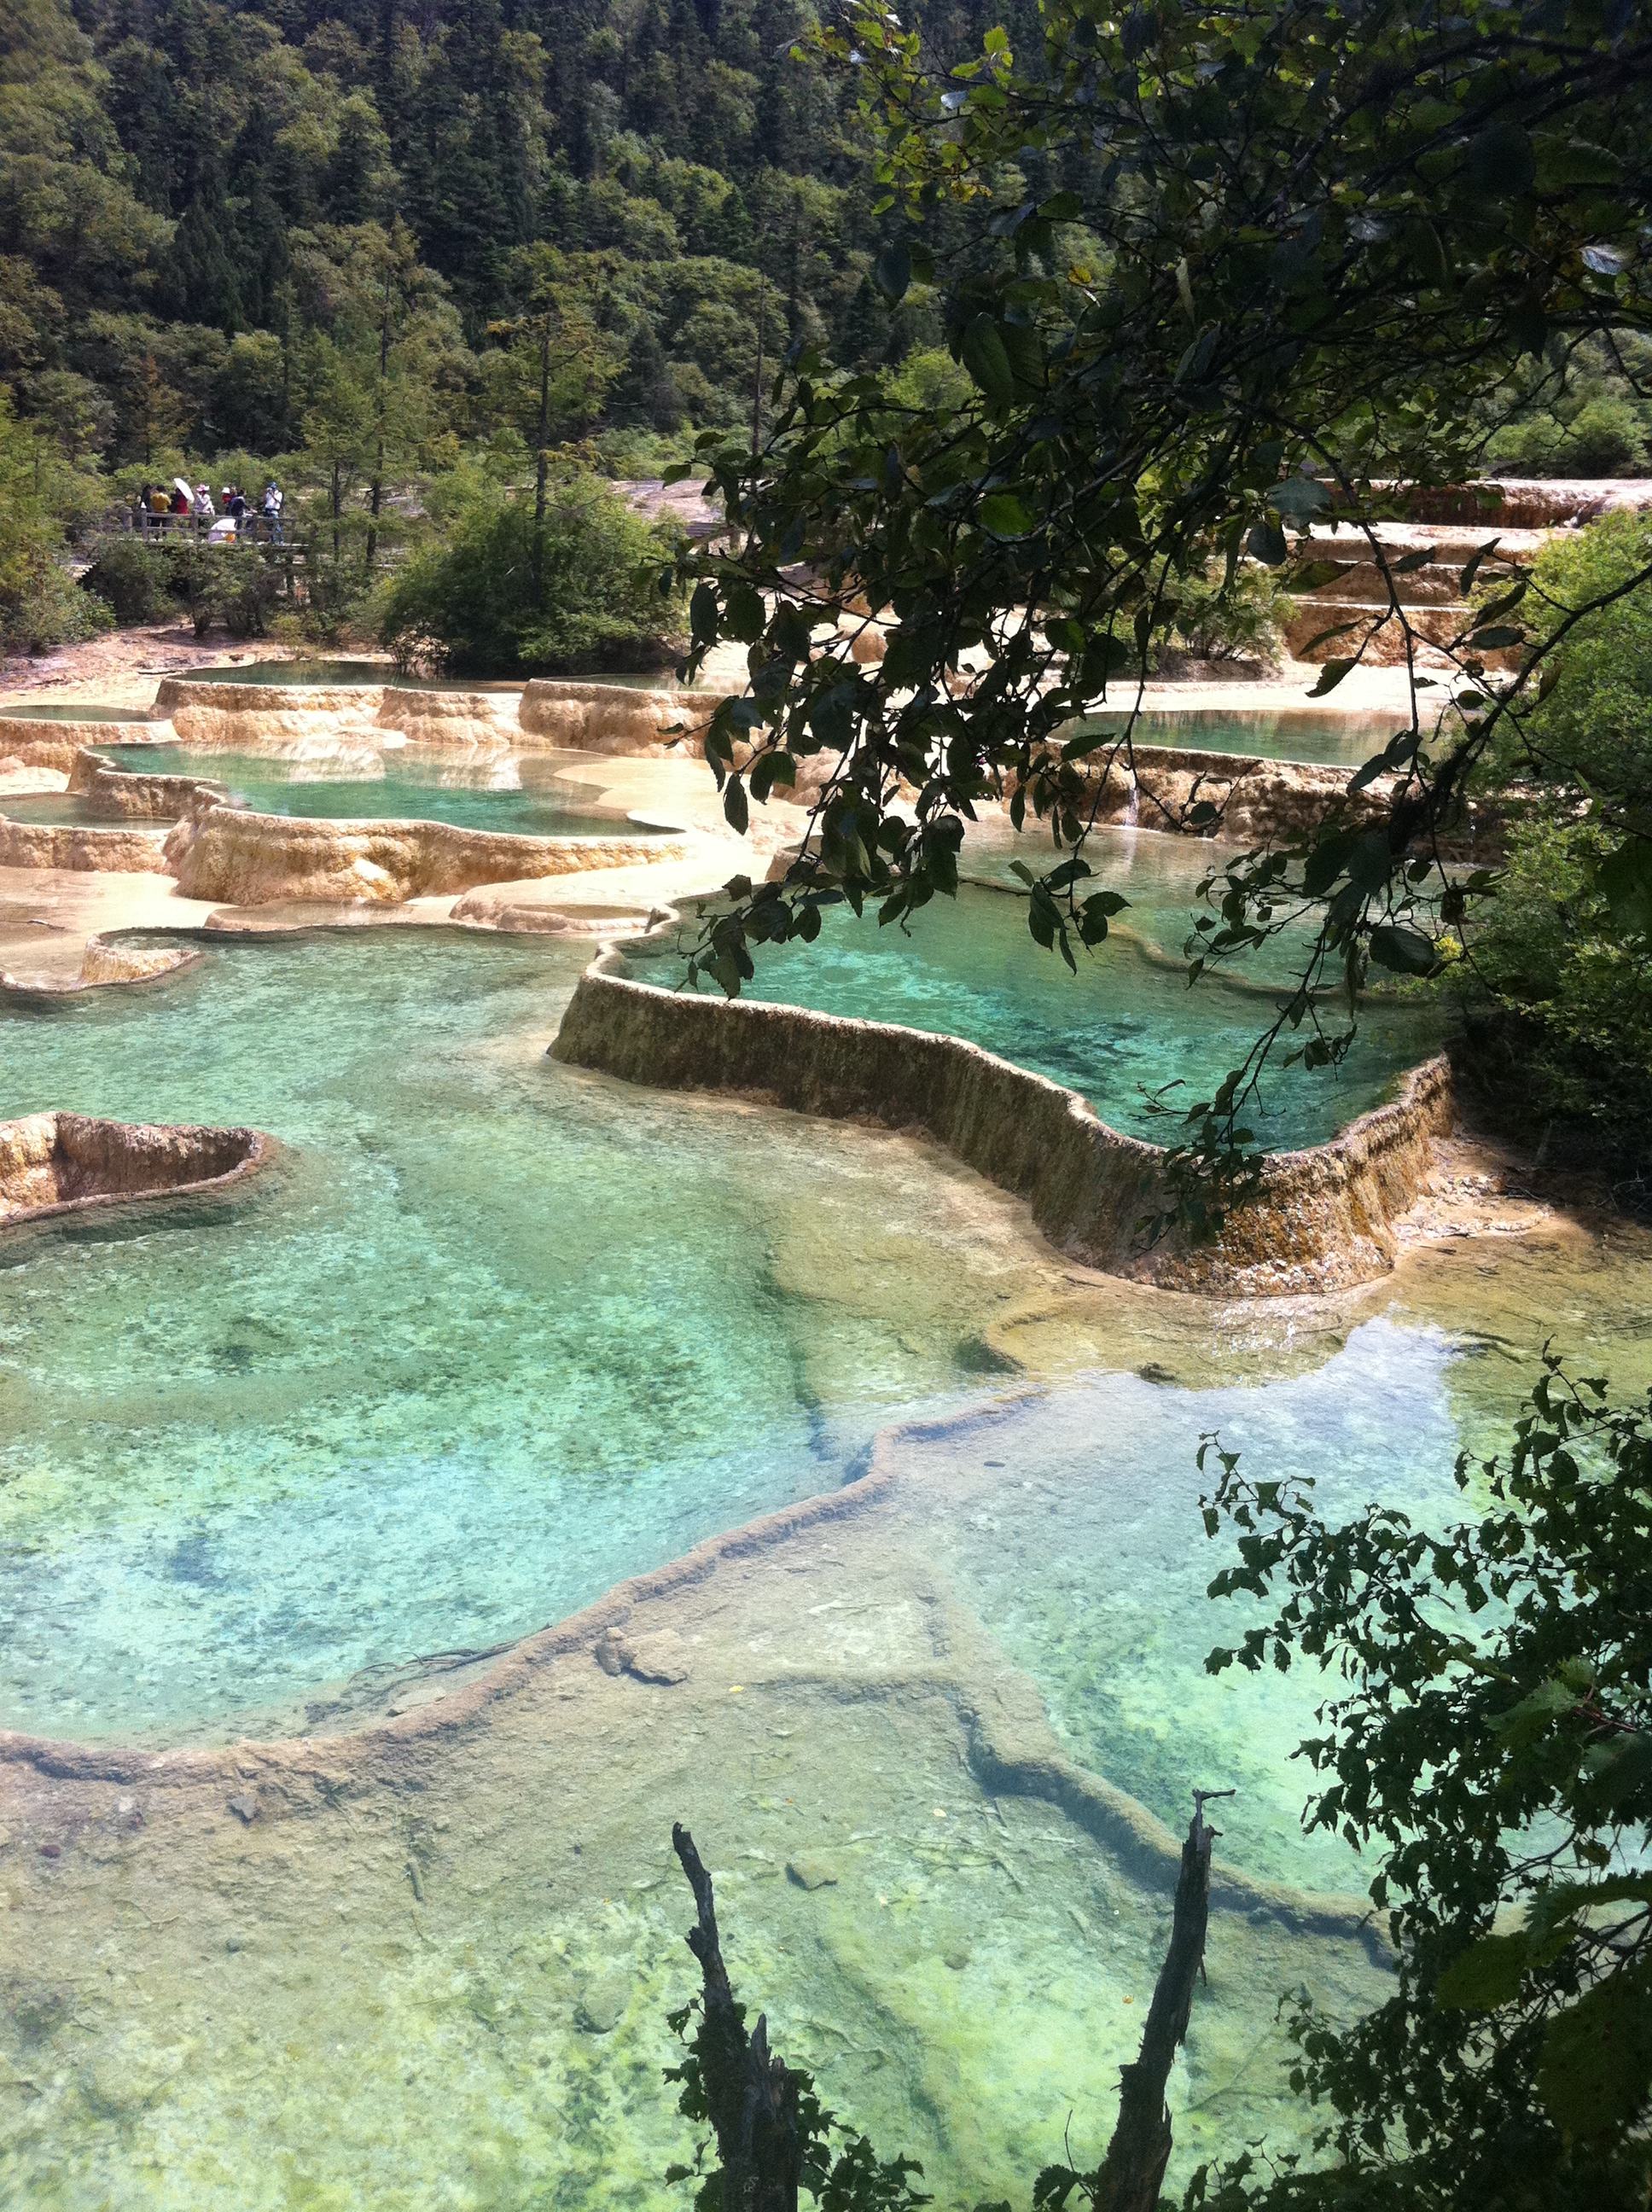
(497, 1333)
(1342, 740)
(1127, 1032)
(517, 795)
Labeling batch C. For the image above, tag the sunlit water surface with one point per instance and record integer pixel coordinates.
(1126, 1031)
(522, 797)
(497, 1333)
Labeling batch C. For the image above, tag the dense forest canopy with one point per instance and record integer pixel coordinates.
(209, 211)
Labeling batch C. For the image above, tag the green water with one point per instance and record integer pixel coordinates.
(338, 672)
(1295, 734)
(71, 714)
(1085, 1554)
(498, 1335)
(1126, 1031)
(471, 797)
(495, 1333)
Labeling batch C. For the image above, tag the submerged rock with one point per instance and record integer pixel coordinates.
(810, 1872)
(602, 2007)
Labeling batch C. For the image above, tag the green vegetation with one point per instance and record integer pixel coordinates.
(1487, 1742)
(1557, 984)
(587, 585)
(358, 241)
(1181, 362)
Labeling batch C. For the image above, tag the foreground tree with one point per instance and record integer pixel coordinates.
(1236, 272)
(1492, 1745)
(774, 2138)
(1489, 1744)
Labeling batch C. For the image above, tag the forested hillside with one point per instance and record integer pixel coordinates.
(222, 224)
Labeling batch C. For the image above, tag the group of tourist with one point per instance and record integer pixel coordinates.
(160, 507)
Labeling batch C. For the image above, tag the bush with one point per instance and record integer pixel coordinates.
(1605, 438)
(499, 598)
(1594, 729)
(1237, 622)
(41, 493)
(131, 577)
(231, 585)
(1560, 1031)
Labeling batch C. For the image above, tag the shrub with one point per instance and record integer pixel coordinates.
(231, 585)
(132, 578)
(1238, 621)
(1605, 438)
(1594, 729)
(501, 598)
(1560, 1031)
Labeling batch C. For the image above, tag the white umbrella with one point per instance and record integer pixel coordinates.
(181, 484)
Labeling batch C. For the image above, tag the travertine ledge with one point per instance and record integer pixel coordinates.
(132, 795)
(56, 1163)
(230, 855)
(1256, 798)
(1322, 1218)
(115, 851)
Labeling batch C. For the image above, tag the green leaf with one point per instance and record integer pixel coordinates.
(1330, 676)
(1502, 161)
(1485, 1976)
(1403, 952)
(1300, 498)
(1623, 879)
(892, 271)
(1003, 513)
(1595, 2071)
(987, 360)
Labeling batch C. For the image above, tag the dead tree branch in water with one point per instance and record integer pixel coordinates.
(750, 2097)
(1132, 2173)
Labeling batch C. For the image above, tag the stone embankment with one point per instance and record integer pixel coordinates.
(1255, 798)
(56, 1163)
(130, 795)
(296, 720)
(234, 857)
(115, 851)
(1322, 1218)
(616, 718)
(575, 716)
(49, 746)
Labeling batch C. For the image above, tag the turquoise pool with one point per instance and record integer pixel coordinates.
(495, 1335)
(471, 797)
(1126, 1031)
(69, 713)
(1293, 734)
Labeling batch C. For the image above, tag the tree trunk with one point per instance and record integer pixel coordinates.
(542, 464)
(751, 2094)
(377, 490)
(337, 508)
(1132, 2173)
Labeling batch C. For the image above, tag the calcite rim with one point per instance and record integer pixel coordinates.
(257, 1149)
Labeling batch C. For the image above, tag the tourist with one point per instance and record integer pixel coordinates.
(160, 508)
(236, 505)
(205, 510)
(271, 510)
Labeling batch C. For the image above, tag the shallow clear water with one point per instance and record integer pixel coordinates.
(471, 797)
(364, 672)
(1083, 1549)
(1293, 734)
(78, 712)
(496, 1334)
(1126, 1031)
